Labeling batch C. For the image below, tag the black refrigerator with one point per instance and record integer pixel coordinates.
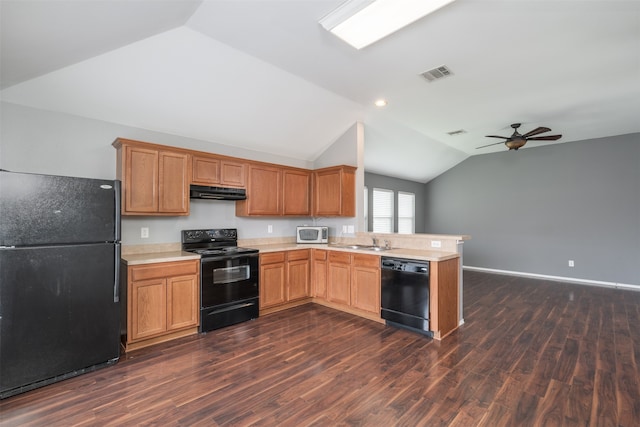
(59, 278)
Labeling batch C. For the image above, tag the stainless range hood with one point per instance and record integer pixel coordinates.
(217, 193)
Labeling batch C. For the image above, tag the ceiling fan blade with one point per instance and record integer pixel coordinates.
(497, 136)
(536, 131)
(491, 144)
(545, 138)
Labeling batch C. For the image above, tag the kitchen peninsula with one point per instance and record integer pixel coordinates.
(351, 261)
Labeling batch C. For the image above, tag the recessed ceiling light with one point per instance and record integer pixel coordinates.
(363, 22)
(381, 103)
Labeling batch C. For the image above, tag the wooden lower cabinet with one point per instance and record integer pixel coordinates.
(339, 278)
(319, 273)
(298, 275)
(162, 302)
(365, 283)
(285, 277)
(349, 282)
(444, 298)
(353, 281)
(272, 279)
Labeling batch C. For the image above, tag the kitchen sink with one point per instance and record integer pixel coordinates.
(363, 247)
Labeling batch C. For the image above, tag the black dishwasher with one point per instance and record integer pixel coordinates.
(405, 294)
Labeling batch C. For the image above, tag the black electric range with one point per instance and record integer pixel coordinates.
(229, 288)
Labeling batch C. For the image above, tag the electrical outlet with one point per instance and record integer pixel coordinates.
(144, 232)
(571, 263)
(269, 228)
(350, 229)
(436, 244)
(344, 228)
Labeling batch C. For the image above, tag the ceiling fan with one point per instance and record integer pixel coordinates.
(516, 140)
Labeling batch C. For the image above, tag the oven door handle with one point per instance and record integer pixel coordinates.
(233, 307)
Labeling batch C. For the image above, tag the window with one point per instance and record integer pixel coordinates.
(406, 213)
(382, 211)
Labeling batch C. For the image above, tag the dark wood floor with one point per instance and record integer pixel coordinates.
(532, 352)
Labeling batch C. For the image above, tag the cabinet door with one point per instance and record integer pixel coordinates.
(206, 171)
(232, 174)
(319, 273)
(182, 302)
(327, 193)
(298, 276)
(148, 305)
(174, 173)
(339, 283)
(334, 191)
(272, 284)
(264, 191)
(365, 288)
(296, 192)
(140, 180)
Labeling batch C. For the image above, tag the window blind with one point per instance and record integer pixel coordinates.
(382, 211)
(406, 212)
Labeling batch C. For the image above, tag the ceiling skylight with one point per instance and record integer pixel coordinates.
(363, 22)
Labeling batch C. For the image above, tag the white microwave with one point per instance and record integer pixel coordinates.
(312, 234)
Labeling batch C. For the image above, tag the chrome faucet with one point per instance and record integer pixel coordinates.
(375, 241)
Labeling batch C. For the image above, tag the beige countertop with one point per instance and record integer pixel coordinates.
(420, 254)
(412, 246)
(154, 257)
(168, 256)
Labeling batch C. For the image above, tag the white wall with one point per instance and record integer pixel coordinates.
(39, 141)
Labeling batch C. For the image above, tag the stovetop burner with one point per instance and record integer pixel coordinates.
(213, 242)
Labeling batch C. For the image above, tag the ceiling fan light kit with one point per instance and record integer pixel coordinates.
(516, 140)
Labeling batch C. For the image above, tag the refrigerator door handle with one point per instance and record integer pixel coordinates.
(116, 279)
(118, 193)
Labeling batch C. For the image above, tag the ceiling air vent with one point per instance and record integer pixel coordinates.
(437, 73)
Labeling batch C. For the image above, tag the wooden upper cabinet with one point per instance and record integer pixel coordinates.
(334, 191)
(155, 180)
(296, 192)
(232, 174)
(264, 192)
(173, 183)
(205, 170)
(140, 180)
(217, 171)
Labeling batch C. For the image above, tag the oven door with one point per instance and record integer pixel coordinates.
(228, 279)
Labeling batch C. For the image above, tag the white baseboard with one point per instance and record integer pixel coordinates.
(556, 278)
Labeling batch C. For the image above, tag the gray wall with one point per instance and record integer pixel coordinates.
(39, 141)
(372, 180)
(532, 210)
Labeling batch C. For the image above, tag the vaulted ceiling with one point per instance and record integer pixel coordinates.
(264, 75)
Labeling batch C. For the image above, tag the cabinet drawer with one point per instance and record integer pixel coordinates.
(366, 260)
(164, 269)
(341, 257)
(272, 258)
(298, 255)
(319, 255)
